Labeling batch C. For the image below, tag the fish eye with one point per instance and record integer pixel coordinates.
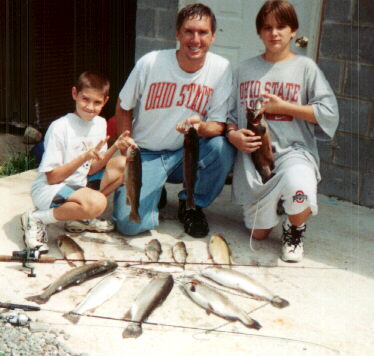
(192, 288)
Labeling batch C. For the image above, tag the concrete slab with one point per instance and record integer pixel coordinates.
(330, 292)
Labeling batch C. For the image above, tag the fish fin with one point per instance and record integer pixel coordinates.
(37, 299)
(70, 263)
(72, 317)
(128, 314)
(279, 302)
(133, 330)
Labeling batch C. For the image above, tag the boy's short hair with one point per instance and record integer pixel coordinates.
(196, 10)
(93, 80)
(283, 12)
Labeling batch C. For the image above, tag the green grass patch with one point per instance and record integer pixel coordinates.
(17, 163)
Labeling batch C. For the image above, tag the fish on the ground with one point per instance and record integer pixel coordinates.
(263, 158)
(214, 302)
(180, 252)
(150, 297)
(158, 267)
(75, 276)
(244, 283)
(96, 296)
(133, 181)
(71, 250)
(190, 165)
(219, 250)
(153, 250)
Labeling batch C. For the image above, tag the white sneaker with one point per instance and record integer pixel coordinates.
(292, 243)
(35, 234)
(94, 225)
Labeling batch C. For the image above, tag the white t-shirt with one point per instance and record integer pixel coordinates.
(298, 81)
(163, 95)
(66, 138)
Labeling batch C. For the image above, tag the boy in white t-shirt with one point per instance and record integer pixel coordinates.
(73, 161)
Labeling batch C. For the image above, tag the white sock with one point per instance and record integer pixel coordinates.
(288, 223)
(45, 216)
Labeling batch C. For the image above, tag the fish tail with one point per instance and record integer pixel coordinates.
(255, 325)
(72, 317)
(134, 216)
(37, 299)
(133, 330)
(279, 302)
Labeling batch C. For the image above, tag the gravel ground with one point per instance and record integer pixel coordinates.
(33, 339)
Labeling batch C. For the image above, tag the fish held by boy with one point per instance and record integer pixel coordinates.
(219, 250)
(190, 165)
(151, 296)
(263, 157)
(242, 282)
(100, 293)
(133, 182)
(71, 251)
(216, 303)
(75, 276)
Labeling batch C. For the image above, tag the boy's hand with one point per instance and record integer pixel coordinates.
(184, 125)
(273, 104)
(124, 141)
(245, 140)
(94, 153)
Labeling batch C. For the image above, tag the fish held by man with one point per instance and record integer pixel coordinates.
(214, 302)
(263, 158)
(151, 296)
(71, 250)
(153, 250)
(74, 276)
(219, 250)
(244, 283)
(133, 182)
(179, 251)
(100, 293)
(190, 165)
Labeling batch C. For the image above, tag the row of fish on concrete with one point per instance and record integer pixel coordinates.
(203, 294)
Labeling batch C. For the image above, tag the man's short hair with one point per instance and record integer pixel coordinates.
(283, 12)
(93, 80)
(196, 10)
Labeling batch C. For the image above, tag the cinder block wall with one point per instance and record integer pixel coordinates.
(347, 58)
(155, 25)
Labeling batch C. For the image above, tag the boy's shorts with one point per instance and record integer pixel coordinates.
(93, 182)
(298, 190)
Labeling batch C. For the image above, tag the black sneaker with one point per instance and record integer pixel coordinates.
(194, 220)
(163, 199)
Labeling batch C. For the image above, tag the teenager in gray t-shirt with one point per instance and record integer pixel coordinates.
(298, 106)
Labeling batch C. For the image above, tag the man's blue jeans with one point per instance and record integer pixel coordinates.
(216, 158)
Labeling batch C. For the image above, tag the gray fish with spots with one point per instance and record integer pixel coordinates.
(151, 296)
(244, 283)
(153, 250)
(180, 252)
(75, 276)
(216, 303)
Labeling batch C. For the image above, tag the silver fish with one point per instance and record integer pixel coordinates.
(180, 252)
(215, 302)
(219, 250)
(242, 282)
(153, 250)
(101, 292)
(151, 296)
(75, 276)
(71, 250)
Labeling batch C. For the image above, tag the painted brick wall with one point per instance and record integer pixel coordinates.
(346, 57)
(155, 25)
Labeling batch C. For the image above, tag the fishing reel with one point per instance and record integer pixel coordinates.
(28, 255)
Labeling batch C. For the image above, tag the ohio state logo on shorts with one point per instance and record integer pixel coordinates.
(299, 197)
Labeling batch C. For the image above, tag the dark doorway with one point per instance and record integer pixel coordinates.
(47, 44)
